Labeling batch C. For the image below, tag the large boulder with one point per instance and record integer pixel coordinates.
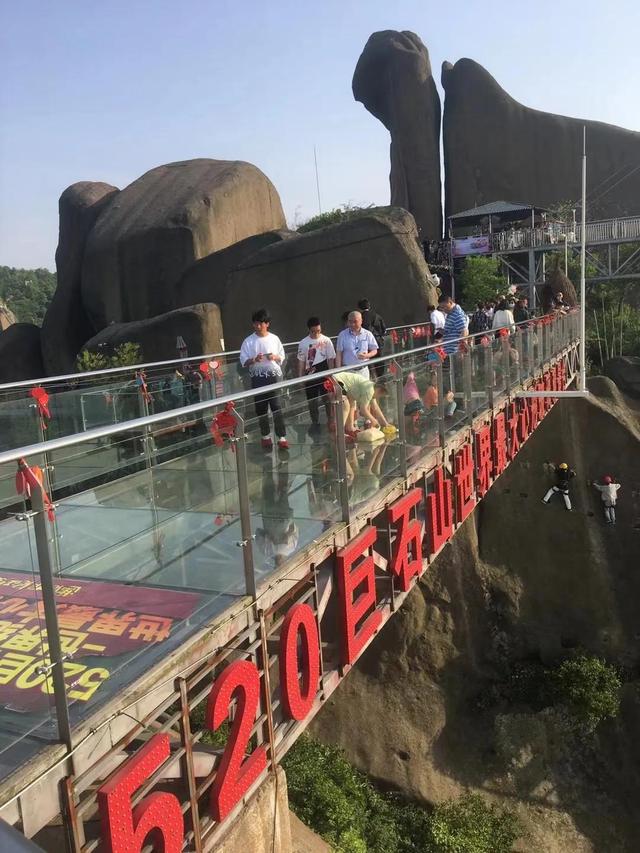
(66, 326)
(207, 279)
(326, 272)
(393, 80)
(160, 224)
(496, 148)
(198, 325)
(557, 282)
(625, 372)
(20, 354)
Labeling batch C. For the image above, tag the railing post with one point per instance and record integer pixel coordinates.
(402, 431)
(341, 452)
(441, 425)
(467, 386)
(57, 659)
(246, 543)
(488, 366)
(519, 350)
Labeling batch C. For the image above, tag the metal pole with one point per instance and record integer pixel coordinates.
(315, 160)
(246, 543)
(402, 432)
(467, 385)
(341, 451)
(51, 617)
(583, 250)
(441, 425)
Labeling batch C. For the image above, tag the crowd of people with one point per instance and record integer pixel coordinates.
(361, 339)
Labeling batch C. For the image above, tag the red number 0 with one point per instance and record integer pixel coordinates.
(299, 621)
(236, 773)
(124, 830)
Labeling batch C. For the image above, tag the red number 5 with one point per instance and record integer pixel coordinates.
(236, 773)
(124, 829)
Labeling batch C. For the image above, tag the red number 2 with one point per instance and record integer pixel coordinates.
(235, 773)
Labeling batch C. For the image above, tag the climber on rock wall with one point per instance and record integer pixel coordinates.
(563, 475)
(608, 493)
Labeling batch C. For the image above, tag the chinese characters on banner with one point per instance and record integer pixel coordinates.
(96, 620)
(419, 523)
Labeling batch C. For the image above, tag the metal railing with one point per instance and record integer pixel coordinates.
(79, 401)
(556, 233)
(187, 513)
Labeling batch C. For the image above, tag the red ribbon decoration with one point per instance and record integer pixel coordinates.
(141, 382)
(28, 479)
(42, 401)
(503, 333)
(205, 370)
(223, 425)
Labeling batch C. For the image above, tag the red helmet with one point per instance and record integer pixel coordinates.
(607, 479)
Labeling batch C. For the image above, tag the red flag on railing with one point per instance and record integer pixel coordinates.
(28, 479)
(42, 401)
(141, 382)
(223, 425)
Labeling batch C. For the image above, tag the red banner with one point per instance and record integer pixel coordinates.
(101, 620)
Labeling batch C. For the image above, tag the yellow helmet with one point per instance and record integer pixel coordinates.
(563, 465)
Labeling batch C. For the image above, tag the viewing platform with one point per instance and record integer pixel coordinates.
(150, 557)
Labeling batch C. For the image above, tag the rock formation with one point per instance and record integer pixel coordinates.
(519, 582)
(66, 326)
(625, 372)
(558, 282)
(207, 279)
(146, 238)
(326, 272)
(496, 148)
(20, 354)
(7, 317)
(394, 82)
(199, 326)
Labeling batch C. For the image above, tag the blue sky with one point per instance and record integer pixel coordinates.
(105, 91)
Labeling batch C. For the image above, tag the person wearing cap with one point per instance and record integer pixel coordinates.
(563, 475)
(609, 493)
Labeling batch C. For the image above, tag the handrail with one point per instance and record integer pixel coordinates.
(106, 371)
(205, 405)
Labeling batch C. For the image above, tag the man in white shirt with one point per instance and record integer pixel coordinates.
(315, 354)
(262, 353)
(437, 319)
(355, 344)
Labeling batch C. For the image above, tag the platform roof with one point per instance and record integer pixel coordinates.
(508, 211)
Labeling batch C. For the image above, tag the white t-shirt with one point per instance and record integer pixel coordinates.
(255, 345)
(437, 318)
(312, 351)
(608, 492)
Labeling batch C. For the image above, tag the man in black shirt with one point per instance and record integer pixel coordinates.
(374, 323)
(521, 312)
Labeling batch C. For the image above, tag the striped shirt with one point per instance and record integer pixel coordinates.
(454, 327)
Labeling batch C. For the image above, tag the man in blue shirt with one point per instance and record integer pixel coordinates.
(355, 344)
(455, 324)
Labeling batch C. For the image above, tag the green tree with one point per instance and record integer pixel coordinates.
(27, 292)
(337, 801)
(470, 825)
(480, 281)
(332, 217)
(124, 355)
(589, 688)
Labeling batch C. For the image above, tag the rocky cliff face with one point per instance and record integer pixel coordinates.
(521, 581)
(393, 80)
(496, 148)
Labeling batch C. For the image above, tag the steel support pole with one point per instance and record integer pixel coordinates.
(402, 431)
(341, 453)
(441, 425)
(41, 530)
(246, 543)
(488, 366)
(532, 278)
(467, 386)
